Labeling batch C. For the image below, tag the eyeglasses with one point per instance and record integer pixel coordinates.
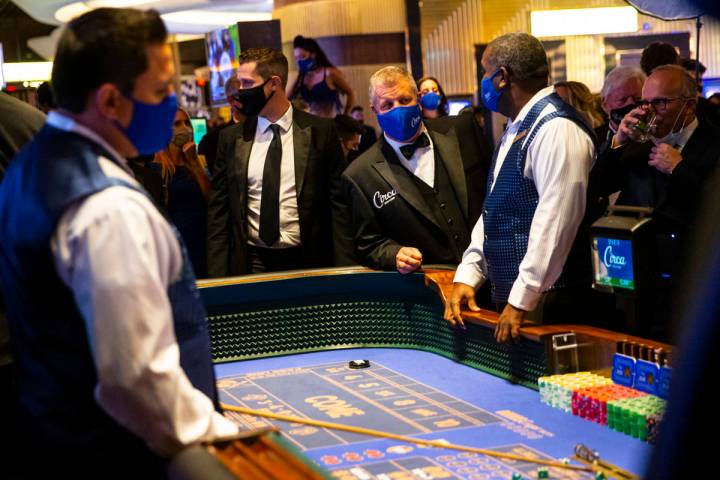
(661, 104)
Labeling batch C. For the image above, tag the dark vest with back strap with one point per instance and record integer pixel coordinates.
(510, 206)
(52, 353)
(448, 215)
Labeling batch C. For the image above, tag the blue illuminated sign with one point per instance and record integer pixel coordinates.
(613, 262)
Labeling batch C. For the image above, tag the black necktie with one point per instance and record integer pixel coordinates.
(421, 142)
(270, 195)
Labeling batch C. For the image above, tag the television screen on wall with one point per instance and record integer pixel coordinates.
(223, 48)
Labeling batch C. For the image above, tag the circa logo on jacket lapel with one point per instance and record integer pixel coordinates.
(382, 199)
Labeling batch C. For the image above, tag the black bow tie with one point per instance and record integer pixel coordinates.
(421, 142)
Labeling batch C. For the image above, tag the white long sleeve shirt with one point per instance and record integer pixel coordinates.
(558, 162)
(118, 255)
(289, 215)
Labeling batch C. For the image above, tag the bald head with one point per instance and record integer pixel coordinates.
(673, 80)
(672, 92)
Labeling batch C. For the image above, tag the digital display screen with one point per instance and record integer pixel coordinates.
(710, 86)
(613, 262)
(199, 126)
(223, 48)
(454, 106)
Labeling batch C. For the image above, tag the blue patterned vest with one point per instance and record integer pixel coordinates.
(510, 206)
(54, 363)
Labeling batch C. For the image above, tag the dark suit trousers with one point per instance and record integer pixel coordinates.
(264, 260)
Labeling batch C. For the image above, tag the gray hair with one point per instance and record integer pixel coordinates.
(618, 76)
(389, 76)
(689, 85)
(232, 85)
(521, 53)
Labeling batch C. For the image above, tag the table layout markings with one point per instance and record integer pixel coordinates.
(442, 406)
(377, 405)
(297, 413)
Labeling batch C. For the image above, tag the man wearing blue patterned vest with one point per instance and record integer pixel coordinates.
(537, 190)
(107, 328)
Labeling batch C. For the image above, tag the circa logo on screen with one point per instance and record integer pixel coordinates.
(612, 260)
(382, 199)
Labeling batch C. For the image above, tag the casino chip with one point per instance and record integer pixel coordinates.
(355, 364)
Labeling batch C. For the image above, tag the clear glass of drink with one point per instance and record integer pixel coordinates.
(645, 128)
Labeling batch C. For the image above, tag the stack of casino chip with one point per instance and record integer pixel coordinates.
(598, 399)
(591, 402)
(637, 416)
(557, 390)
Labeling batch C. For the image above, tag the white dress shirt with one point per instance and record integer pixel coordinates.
(422, 162)
(558, 162)
(289, 217)
(118, 255)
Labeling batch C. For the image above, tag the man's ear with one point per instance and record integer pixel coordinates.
(109, 102)
(504, 77)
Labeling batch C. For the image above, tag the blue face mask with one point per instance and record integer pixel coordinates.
(151, 126)
(430, 101)
(401, 123)
(490, 95)
(307, 64)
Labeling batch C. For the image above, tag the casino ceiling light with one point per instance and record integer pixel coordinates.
(27, 71)
(187, 20)
(72, 10)
(208, 17)
(583, 21)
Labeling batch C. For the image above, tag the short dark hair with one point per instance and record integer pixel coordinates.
(106, 45)
(268, 62)
(523, 56)
(657, 54)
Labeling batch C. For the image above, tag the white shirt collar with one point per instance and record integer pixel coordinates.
(515, 124)
(285, 121)
(67, 124)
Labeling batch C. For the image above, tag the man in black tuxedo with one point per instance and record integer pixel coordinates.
(417, 193)
(276, 201)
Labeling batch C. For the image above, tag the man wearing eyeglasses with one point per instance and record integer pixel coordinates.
(667, 172)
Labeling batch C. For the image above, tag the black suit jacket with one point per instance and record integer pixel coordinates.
(378, 233)
(319, 161)
(208, 145)
(19, 122)
(674, 197)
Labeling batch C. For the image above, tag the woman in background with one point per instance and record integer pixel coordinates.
(578, 95)
(432, 98)
(186, 188)
(319, 82)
